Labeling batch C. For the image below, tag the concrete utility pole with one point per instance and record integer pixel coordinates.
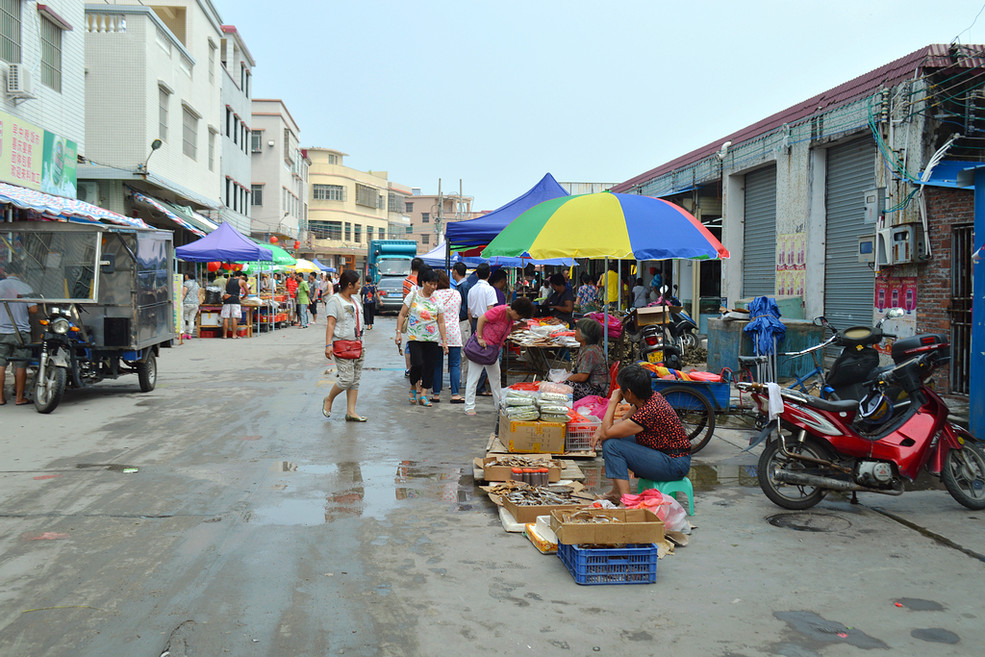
(438, 219)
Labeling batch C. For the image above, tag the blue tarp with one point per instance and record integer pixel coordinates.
(478, 232)
(765, 326)
(224, 244)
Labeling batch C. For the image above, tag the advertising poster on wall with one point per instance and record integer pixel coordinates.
(58, 165)
(36, 158)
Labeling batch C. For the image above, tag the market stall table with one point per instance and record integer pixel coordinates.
(208, 318)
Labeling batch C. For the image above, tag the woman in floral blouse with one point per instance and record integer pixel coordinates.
(587, 299)
(425, 329)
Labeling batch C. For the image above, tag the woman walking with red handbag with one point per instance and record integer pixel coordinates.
(343, 344)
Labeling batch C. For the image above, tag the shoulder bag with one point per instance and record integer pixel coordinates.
(348, 349)
(403, 327)
(478, 354)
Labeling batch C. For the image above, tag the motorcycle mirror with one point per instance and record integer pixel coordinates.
(819, 320)
(893, 313)
(663, 290)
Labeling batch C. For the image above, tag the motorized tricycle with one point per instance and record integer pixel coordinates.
(105, 304)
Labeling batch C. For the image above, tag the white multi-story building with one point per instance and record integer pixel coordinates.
(42, 93)
(237, 162)
(153, 78)
(280, 173)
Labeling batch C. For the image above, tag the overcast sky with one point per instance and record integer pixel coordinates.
(498, 93)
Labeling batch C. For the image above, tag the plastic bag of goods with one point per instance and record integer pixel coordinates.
(557, 388)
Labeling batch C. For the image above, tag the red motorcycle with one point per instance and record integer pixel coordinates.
(874, 445)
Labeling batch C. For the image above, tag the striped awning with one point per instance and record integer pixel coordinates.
(167, 212)
(58, 208)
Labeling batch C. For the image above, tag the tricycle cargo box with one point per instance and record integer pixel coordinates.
(627, 526)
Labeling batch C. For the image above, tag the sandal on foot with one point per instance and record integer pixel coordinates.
(470, 412)
(327, 412)
(435, 400)
(354, 418)
(413, 397)
(457, 400)
(424, 401)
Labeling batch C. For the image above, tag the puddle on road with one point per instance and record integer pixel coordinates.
(703, 477)
(350, 490)
(112, 467)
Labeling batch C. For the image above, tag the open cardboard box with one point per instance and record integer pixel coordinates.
(632, 526)
(527, 514)
(532, 437)
(655, 314)
(504, 472)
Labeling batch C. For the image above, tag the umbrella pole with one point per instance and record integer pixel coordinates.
(605, 311)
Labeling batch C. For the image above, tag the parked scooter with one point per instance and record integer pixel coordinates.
(683, 330)
(874, 445)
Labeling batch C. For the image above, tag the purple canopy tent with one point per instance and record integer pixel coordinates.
(224, 244)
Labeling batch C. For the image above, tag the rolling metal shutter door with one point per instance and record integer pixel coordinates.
(849, 285)
(759, 237)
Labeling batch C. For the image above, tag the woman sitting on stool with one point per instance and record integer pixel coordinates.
(650, 440)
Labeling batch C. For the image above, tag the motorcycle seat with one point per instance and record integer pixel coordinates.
(834, 405)
(752, 360)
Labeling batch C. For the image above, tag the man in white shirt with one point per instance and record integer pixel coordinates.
(482, 297)
(15, 331)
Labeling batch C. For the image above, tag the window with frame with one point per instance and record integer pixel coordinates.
(333, 159)
(348, 233)
(257, 195)
(425, 217)
(256, 141)
(380, 202)
(408, 208)
(425, 239)
(288, 156)
(164, 99)
(409, 230)
(212, 49)
(329, 192)
(189, 133)
(357, 233)
(51, 54)
(10, 31)
(366, 196)
(212, 134)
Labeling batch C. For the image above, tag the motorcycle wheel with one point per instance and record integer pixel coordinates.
(147, 373)
(964, 475)
(689, 341)
(789, 496)
(695, 412)
(48, 391)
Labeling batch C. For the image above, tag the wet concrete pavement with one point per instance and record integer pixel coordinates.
(253, 526)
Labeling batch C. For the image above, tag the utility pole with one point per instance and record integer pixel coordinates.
(437, 222)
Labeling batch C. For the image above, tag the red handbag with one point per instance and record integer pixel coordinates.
(349, 349)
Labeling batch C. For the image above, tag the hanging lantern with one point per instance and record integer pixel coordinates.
(297, 244)
(273, 239)
(213, 267)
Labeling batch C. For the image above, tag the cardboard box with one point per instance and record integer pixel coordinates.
(504, 473)
(525, 514)
(532, 437)
(654, 315)
(635, 526)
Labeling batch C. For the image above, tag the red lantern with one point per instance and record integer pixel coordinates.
(297, 244)
(273, 240)
(213, 266)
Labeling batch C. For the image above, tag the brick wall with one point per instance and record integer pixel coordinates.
(945, 208)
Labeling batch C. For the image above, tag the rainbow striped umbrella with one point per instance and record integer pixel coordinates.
(607, 225)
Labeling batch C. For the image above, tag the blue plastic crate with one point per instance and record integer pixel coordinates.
(633, 564)
(717, 393)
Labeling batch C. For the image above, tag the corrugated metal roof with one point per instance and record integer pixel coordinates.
(934, 56)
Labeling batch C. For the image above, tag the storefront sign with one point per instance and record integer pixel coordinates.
(36, 158)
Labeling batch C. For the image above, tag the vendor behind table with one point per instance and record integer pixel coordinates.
(561, 302)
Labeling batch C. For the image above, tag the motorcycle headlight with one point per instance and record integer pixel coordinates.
(59, 325)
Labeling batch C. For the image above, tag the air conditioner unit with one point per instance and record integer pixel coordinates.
(88, 192)
(19, 82)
